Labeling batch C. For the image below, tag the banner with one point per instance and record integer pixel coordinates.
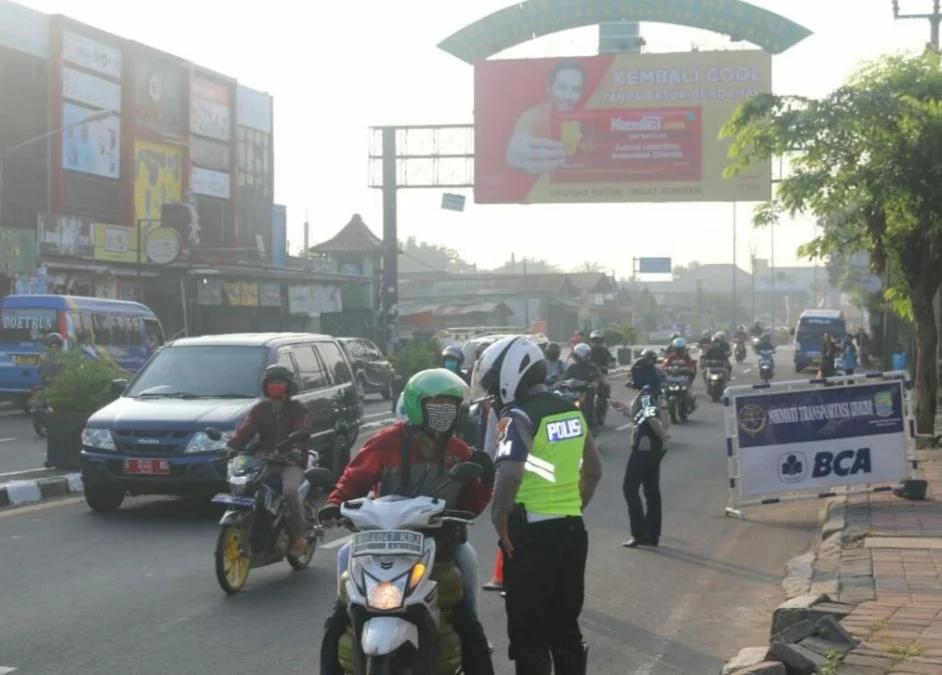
(269, 295)
(90, 90)
(116, 243)
(209, 110)
(91, 55)
(614, 128)
(159, 94)
(94, 147)
(299, 300)
(249, 294)
(821, 438)
(232, 290)
(158, 178)
(17, 251)
(209, 293)
(65, 236)
(254, 109)
(210, 183)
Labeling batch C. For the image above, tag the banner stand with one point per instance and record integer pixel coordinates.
(736, 498)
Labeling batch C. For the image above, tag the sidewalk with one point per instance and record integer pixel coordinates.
(889, 563)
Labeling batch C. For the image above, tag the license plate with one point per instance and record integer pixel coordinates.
(387, 542)
(147, 467)
(233, 500)
(25, 360)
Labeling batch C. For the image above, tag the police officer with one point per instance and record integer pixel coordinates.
(547, 470)
(643, 472)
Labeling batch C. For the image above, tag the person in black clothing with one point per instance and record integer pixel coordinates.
(582, 367)
(828, 356)
(643, 471)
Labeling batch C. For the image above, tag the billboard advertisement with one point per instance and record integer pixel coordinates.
(91, 55)
(614, 128)
(93, 148)
(159, 95)
(158, 178)
(209, 110)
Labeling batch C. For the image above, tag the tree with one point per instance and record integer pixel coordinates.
(420, 256)
(865, 161)
(680, 271)
(540, 266)
(588, 267)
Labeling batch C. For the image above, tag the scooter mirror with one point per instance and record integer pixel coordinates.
(300, 436)
(465, 472)
(320, 477)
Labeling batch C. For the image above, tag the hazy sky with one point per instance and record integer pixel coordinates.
(335, 68)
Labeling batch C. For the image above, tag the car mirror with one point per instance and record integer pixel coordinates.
(118, 387)
(213, 434)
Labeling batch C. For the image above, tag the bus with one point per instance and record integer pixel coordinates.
(809, 335)
(128, 332)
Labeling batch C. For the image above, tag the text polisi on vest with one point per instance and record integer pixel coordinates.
(563, 430)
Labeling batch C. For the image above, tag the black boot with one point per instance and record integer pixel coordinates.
(532, 664)
(571, 663)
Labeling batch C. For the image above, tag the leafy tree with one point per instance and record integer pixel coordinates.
(540, 266)
(421, 256)
(680, 271)
(588, 267)
(865, 161)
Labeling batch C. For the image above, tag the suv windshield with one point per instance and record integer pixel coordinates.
(202, 372)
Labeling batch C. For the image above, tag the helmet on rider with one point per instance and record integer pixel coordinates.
(674, 336)
(644, 372)
(720, 336)
(278, 382)
(706, 335)
(552, 351)
(597, 337)
(679, 345)
(509, 368)
(740, 328)
(431, 400)
(540, 341)
(649, 355)
(53, 340)
(581, 352)
(452, 358)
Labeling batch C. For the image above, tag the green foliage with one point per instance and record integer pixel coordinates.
(82, 385)
(416, 357)
(420, 256)
(540, 266)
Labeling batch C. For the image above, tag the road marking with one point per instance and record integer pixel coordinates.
(623, 427)
(382, 414)
(23, 473)
(747, 371)
(23, 510)
(6, 440)
(4, 670)
(336, 543)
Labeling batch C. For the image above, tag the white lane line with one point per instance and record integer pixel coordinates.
(336, 543)
(747, 371)
(40, 471)
(6, 440)
(623, 427)
(380, 414)
(4, 670)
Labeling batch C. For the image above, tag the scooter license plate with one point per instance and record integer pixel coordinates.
(387, 542)
(234, 500)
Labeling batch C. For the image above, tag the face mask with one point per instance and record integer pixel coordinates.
(451, 365)
(440, 417)
(276, 390)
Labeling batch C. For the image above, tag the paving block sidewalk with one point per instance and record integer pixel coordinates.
(897, 582)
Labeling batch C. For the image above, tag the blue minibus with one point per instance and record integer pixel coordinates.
(128, 332)
(809, 335)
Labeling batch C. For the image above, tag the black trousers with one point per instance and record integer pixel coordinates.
(544, 582)
(643, 472)
(475, 651)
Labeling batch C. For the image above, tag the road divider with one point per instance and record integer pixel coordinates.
(20, 492)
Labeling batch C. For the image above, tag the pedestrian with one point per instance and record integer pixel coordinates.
(850, 356)
(648, 446)
(547, 470)
(899, 359)
(828, 357)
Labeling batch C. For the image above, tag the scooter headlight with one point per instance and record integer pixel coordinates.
(385, 595)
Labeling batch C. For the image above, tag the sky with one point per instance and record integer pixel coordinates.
(337, 68)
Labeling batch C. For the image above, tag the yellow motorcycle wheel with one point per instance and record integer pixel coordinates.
(232, 565)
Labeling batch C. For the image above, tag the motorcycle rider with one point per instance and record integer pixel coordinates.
(582, 367)
(645, 371)
(49, 365)
(705, 339)
(399, 460)
(764, 345)
(756, 330)
(741, 335)
(548, 468)
(719, 351)
(453, 359)
(554, 364)
(273, 420)
(602, 357)
(678, 356)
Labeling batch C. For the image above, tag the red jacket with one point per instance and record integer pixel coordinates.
(674, 359)
(271, 428)
(381, 457)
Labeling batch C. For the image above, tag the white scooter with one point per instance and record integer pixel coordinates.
(391, 599)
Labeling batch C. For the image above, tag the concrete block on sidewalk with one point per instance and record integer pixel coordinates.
(835, 521)
(837, 610)
(763, 668)
(797, 659)
(796, 632)
(793, 611)
(799, 571)
(830, 628)
(15, 493)
(747, 657)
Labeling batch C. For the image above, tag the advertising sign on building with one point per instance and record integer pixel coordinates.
(254, 109)
(158, 95)
(279, 235)
(619, 127)
(210, 110)
(65, 236)
(17, 251)
(210, 183)
(158, 178)
(210, 154)
(90, 90)
(93, 147)
(24, 29)
(91, 55)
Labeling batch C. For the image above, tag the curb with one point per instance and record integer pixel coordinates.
(20, 492)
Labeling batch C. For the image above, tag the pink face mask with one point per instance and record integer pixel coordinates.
(276, 389)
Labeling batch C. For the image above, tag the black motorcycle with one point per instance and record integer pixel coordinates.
(38, 410)
(740, 352)
(254, 529)
(677, 388)
(582, 394)
(716, 374)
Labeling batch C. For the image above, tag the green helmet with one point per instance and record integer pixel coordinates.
(427, 384)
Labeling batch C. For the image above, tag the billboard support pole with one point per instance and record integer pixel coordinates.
(390, 274)
(733, 325)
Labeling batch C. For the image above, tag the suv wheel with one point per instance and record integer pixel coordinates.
(102, 499)
(387, 392)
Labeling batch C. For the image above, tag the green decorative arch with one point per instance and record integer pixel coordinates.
(534, 18)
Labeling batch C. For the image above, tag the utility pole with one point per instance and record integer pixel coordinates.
(733, 324)
(935, 19)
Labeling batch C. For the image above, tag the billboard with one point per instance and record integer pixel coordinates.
(158, 178)
(93, 148)
(209, 110)
(614, 128)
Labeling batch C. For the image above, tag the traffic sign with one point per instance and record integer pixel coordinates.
(654, 265)
(453, 202)
(871, 283)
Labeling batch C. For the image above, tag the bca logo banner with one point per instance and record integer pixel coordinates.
(564, 430)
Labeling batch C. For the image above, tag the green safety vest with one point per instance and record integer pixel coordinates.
(552, 471)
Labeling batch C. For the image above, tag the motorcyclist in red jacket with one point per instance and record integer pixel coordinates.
(679, 356)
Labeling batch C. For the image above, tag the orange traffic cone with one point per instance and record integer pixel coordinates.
(497, 582)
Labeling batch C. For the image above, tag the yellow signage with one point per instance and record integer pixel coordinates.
(115, 243)
(158, 178)
(249, 295)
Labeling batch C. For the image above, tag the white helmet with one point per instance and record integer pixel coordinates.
(502, 366)
(720, 336)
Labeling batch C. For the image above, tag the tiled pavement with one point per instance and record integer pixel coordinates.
(899, 583)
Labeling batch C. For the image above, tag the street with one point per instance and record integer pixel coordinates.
(134, 592)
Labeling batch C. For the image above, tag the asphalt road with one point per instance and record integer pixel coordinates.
(22, 453)
(135, 592)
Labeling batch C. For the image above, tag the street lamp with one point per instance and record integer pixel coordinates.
(7, 152)
(935, 18)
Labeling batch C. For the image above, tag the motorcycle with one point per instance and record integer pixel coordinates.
(38, 409)
(254, 529)
(582, 395)
(678, 393)
(766, 366)
(397, 594)
(715, 374)
(739, 352)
